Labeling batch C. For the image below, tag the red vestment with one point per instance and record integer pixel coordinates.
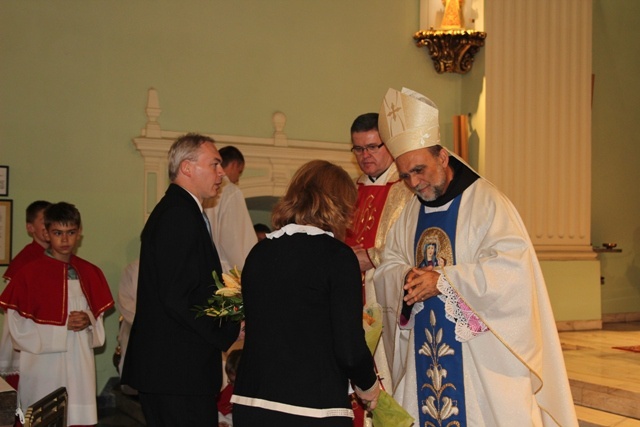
(371, 200)
(224, 400)
(369, 207)
(38, 290)
(30, 252)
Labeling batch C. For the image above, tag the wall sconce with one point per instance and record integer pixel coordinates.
(452, 47)
(452, 51)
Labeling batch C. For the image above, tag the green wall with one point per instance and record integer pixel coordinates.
(574, 290)
(616, 150)
(74, 76)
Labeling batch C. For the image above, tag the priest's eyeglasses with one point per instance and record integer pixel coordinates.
(371, 148)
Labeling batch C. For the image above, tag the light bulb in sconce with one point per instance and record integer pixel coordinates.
(453, 18)
(452, 47)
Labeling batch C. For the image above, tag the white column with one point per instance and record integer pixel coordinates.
(538, 118)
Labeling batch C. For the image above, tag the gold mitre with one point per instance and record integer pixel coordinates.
(408, 121)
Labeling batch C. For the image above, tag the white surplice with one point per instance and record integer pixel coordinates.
(52, 356)
(231, 226)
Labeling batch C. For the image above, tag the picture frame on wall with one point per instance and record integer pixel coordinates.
(4, 181)
(6, 217)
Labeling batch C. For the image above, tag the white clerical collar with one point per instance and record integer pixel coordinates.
(443, 208)
(382, 178)
(383, 174)
(291, 229)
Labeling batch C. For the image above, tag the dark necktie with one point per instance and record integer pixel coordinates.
(206, 221)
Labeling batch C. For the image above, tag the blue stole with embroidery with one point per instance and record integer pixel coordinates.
(439, 370)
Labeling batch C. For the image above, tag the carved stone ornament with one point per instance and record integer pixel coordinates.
(452, 51)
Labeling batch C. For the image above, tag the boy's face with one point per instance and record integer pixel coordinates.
(37, 230)
(62, 240)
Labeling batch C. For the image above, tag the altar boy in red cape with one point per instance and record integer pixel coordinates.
(9, 358)
(35, 229)
(55, 306)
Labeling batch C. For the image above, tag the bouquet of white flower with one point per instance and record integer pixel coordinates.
(226, 302)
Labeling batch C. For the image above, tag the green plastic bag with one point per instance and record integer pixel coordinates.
(389, 413)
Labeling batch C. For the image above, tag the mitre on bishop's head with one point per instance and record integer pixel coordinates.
(408, 121)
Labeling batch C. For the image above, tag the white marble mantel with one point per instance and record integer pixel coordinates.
(271, 162)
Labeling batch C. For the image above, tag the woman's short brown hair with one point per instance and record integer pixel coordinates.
(320, 194)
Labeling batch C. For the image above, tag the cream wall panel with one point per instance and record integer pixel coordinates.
(538, 148)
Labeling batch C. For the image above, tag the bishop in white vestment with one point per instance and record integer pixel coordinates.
(468, 319)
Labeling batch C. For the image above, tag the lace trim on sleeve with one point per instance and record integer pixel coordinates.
(468, 324)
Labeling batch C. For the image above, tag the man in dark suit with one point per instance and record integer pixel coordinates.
(174, 359)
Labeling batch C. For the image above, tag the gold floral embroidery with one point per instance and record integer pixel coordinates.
(399, 196)
(364, 218)
(437, 406)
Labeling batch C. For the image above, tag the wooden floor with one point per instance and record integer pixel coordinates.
(605, 382)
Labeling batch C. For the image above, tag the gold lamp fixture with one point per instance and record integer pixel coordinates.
(452, 47)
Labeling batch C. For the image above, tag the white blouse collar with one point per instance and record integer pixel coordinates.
(291, 229)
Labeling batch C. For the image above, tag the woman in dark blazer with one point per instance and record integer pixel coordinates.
(303, 303)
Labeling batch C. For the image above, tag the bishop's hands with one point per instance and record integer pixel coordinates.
(420, 284)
